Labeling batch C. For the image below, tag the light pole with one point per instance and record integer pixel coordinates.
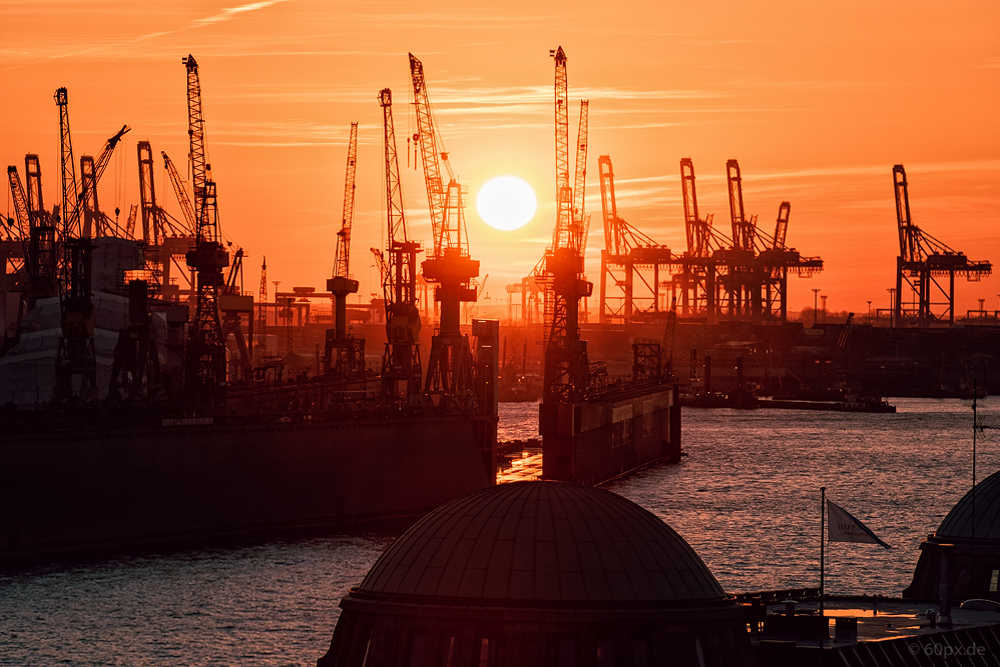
(823, 299)
(869, 312)
(892, 306)
(815, 306)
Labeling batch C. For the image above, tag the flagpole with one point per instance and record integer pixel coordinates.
(822, 540)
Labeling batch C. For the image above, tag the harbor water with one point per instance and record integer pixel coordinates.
(746, 497)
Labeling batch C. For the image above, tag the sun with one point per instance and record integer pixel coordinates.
(506, 202)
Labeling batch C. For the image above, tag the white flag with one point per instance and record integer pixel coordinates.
(845, 528)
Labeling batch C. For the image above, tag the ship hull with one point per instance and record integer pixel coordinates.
(72, 490)
(598, 439)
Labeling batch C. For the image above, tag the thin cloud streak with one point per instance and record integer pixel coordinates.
(229, 12)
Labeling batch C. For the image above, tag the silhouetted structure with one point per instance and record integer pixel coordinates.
(539, 573)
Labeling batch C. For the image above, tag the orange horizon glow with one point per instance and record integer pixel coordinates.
(817, 103)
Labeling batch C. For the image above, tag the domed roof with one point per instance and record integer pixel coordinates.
(543, 541)
(958, 523)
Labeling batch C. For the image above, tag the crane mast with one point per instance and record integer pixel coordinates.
(401, 362)
(152, 215)
(350, 351)
(70, 190)
(206, 361)
(262, 305)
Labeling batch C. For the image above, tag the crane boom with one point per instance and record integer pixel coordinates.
(20, 203)
(181, 192)
(743, 229)
(781, 225)
(563, 236)
(196, 140)
(909, 243)
(342, 256)
(580, 219)
(430, 156)
(383, 268)
(609, 208)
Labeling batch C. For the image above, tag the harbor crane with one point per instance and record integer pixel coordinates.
(42, 251)
(173, 247)
(205, 366)
(927, 267)
(627, 251)
(157, 224)
(70, 187)
(19, 227)
(79, 199)
(181, 193)
(743, 278)
(401, 369)
(450, 365)
(344, 354)
(697, 277)
(566, 370)
(95, 222)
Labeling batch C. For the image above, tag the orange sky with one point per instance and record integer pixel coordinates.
(816, 102)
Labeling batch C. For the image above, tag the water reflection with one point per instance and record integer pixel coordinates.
(746, 498)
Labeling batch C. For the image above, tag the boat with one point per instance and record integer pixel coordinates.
(845, 404)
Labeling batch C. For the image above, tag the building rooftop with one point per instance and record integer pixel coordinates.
(959, 522)
(544, 542)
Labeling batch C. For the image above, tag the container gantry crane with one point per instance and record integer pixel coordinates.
(923, 265)
(155, 221)
(205, 364)
(42, 251)
(744, 278)
(401, 370)
(344, 355)
(697, 277)
(450, 365)
(741, 283)
(626, 253)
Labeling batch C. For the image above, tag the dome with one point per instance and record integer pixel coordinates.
(532, 574)
(952, 562)
(543, 542)
(958, 524)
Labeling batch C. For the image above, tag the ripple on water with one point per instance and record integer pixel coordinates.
(746, 498)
